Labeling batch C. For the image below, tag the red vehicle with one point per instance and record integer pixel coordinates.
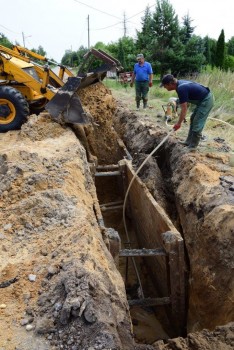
(125, 77)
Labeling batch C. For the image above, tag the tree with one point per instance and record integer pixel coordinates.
(220, 51)
(144, 38)
(186, 30)
(66, 59)
(124, 51)
(194, 55)
(121, 54)
(207, 51)
(165, 26)
(229, 63)
(210, 50)
(230, 46)
(4, 41)
(39, 51)
(74, 58)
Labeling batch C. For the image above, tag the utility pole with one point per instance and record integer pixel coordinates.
(71, 57)
(23, 39)
(88, 34)
(124, 23)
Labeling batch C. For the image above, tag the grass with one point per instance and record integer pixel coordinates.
(220, 83)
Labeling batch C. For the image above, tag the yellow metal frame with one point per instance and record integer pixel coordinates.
(15, 66)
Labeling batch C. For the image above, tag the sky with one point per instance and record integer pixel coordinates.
(60, 25)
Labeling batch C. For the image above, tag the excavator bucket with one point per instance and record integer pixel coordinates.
(66, 104)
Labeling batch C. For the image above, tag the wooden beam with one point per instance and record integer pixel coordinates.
(142, 252)
(149, 301)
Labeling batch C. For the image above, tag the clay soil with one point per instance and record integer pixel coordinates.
(59, 285)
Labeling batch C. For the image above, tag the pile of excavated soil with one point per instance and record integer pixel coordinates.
(98, 101)
(60, 288)
(222, 338)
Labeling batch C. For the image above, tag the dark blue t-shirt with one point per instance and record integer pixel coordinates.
(189, 91)
(142, 72)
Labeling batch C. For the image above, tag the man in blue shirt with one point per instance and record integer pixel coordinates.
(194, 93)
(143, 77)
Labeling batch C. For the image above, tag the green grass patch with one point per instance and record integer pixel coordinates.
(220, 83)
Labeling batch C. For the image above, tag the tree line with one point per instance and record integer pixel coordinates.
(169, 46)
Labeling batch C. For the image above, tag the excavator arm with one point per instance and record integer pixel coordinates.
(63, 70)
(19, 70)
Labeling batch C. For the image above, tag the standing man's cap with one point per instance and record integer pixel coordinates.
(167, 79)
(140, 55)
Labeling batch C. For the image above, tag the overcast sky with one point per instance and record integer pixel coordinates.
(59, 25)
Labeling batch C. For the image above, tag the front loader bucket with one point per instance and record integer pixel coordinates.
(66, 105)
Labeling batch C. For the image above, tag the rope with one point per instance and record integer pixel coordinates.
(222, 121)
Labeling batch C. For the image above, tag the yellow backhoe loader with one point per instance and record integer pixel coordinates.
(28, 87)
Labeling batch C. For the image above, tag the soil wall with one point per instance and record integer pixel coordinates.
(59, 284)
(199, 188)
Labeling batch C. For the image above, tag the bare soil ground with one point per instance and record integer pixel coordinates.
(60, 288)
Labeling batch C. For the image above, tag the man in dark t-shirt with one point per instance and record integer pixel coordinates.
(194, 93)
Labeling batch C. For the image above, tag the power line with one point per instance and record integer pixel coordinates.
(112, 25)
(9, 29)
(123, 21)
(139, 12)
(106, 13)
(91, 7)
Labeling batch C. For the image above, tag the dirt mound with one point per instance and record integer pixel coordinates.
(59, 284)
(98, 101)
(221, 339)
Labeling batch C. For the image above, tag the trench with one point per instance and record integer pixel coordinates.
(156, 298)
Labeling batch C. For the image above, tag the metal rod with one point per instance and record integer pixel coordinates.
(110, 166)
(111, 203)
(108, 173)
(114, 207)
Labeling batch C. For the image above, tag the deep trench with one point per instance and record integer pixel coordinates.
(150, 323)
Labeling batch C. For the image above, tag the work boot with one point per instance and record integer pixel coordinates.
(184, 143)
(145, 104)
(188, 140)
(196, 136)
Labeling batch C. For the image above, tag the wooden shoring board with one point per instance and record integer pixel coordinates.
(155, 230)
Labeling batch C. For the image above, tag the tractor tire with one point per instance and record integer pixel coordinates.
(14, 109)
(38, 107)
